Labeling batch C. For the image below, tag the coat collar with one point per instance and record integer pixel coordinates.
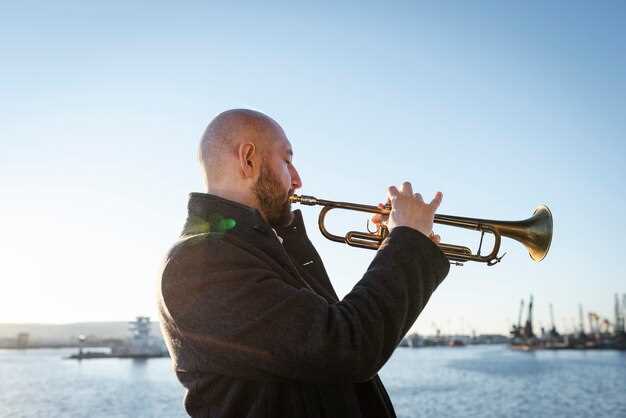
(215, 215)
(211, 213)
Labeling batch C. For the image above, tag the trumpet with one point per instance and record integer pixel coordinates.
(535, 233)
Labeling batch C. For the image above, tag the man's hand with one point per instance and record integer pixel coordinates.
(409, 209)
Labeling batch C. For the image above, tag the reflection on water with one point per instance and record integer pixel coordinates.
(488, 381)
(495, 381)
(40, 383)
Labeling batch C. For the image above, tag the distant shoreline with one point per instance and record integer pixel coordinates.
(49, 346)
(37, 335)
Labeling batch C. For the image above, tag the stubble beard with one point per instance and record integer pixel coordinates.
(273, 200)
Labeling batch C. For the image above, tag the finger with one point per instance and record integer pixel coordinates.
(418, 197)
(379, 217)
(436, 239)
(406, 188)
(392, 192)
(434, 204)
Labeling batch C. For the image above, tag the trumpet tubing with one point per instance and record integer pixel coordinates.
(535, 233)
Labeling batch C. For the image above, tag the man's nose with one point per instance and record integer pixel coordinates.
(296, 181)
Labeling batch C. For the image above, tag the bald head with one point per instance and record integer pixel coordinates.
(247, 158)
(227, 132)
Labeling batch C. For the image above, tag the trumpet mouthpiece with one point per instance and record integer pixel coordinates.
(303, 200)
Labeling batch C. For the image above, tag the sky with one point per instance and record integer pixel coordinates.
(500, 106)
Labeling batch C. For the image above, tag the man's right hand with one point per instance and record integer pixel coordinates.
(409, 209)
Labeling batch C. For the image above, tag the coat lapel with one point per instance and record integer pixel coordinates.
(245, 227)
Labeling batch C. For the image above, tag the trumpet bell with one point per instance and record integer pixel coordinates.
(535, 233)
(538, 235)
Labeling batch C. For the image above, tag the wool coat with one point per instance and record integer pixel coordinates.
(255, 328)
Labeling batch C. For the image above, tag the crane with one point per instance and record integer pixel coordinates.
(619, 318)
(528, 328)
(582, 322)
(594, 324)
(553, 332)
(519, 317)
(517, 329)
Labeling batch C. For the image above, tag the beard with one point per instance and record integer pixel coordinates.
(273, 199)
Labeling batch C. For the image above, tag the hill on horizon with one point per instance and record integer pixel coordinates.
(69, 332)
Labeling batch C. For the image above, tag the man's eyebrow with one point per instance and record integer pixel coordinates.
(290, 152)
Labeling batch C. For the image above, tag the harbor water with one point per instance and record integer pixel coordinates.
(474, 381)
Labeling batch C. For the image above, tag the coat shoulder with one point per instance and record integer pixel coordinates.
(200, 249)
(210, 252)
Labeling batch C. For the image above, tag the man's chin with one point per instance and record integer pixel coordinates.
(285, 218)
(289, 217)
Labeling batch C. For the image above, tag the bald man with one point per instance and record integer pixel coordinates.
(250, 317)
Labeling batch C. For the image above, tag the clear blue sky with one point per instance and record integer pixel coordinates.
(501, 107)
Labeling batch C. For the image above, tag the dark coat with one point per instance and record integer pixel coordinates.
(255, 328)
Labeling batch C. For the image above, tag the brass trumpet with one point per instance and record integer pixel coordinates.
(535, 233)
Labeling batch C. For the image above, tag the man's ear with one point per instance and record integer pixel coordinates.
(246, 159)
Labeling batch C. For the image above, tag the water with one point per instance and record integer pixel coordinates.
(39, 383)
(483, 381)
(494, 381)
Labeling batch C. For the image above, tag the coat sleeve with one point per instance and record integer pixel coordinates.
(226, 312)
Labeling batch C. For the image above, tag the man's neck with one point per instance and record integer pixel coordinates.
(241, 196)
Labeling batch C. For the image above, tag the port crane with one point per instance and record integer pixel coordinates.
(581, 333)
(528, 327)
(553, 332)
(519, 317)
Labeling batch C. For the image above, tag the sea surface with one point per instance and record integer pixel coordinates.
(477, 381)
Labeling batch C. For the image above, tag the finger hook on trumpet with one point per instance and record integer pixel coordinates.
(368, 228)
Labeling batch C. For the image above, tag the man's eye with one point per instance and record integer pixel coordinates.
(288, 162)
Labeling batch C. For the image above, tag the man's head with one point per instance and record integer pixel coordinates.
(246, 158)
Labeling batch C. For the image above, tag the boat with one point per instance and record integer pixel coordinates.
(140, 345)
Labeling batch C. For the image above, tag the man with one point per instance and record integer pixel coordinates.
(250, 317)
